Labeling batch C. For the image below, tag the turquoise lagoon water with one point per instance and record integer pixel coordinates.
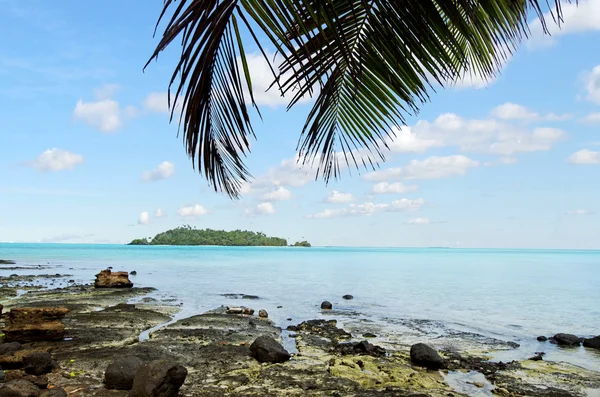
(509, 295)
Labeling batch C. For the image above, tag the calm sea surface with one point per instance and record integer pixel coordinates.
(511, 295)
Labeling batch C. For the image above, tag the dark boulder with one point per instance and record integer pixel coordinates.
(158, 378)
(348, 297)
(363, 347)
(56, 392)
(120, 373)
(369, 335)
(7, 262)
(542, 338)
(593, 343)
(19, 388)
(326, 305)
(38, 363)
(539, 356)
(133, 273)
(566, 340)
(9, 348)
(426, 356)
(267, 350)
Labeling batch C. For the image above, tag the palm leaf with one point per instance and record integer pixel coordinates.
(375, 62)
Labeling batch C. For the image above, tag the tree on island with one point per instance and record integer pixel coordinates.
(186, 235)
(370, 63)
(301, 244)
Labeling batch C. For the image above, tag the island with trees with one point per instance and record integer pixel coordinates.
(186, 235)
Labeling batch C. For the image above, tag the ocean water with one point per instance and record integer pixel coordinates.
(509, 295)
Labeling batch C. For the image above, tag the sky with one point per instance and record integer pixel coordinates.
(89, 154)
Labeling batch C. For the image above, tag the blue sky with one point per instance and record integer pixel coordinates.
(89, 155)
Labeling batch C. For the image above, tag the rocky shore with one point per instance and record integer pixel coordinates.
(93, 346)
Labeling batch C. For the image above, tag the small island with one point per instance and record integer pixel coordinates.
(186, 235)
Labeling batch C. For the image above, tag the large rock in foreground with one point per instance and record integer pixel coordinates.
(267, 350)
(109, 279)
(567, 339)
(426, 356)
(159, 378)
(38, 363)
(120, 374)
(32, 324)
(593, 343)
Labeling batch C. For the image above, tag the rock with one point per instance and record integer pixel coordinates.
(263, 313)
(542, 338)
(280, 307)
(267, 350)
(7, 262)
(40, 381)
(9, 348)
(2, 376)
(234, 310)
(19, 388)
(326, 305)
(567, 340)
(248, 311)
(109, 279)
(480, 385)
(1, 308)
(56, 392)
(31, 324)
(133, 273)
(539, 356)
(252, 297)
(348, 297)
(369, 335)
(593, 343)
(426, 356)
(120, 373)
(38, 363)
(363, 347)
(158, 378)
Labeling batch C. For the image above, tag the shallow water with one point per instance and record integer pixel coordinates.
(510, 295)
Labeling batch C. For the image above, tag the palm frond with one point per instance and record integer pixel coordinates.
(375, 62)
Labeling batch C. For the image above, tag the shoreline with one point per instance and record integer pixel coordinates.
(221, 340)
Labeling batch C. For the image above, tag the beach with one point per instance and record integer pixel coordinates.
(481, 309)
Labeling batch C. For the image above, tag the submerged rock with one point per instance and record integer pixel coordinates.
(158, 378)
(326, 305)
(369, 335)
(593, 343)
(133, 273)
(7, 262)
(19, 388)
(348, 297)
(109, 279)
(38, 363)
(542, 338)
(426, 356)
(120, 373)
(566, 339)
(30, 324)
(267, 350)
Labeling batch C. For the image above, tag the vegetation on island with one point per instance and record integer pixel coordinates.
(301, 244)
(186, 235)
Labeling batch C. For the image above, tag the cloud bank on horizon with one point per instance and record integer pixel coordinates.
(510, 162)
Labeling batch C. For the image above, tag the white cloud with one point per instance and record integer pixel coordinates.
(261, 209)
(104, 115)
(431, 168)
(279, 194)
(592, 82)
(513, 111)
(419, 221)
(106, 91)
(580, 212)
(592, 118)
(585, 156)
(192, 211)
(404, 140)
(367, 209)
(144, 218)
(398, 187)
(262, 78)
(158, 102)
(508, 160)
(164, 170)
(56, 160)
(159, 213)
(578, 18)
(336, 197)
